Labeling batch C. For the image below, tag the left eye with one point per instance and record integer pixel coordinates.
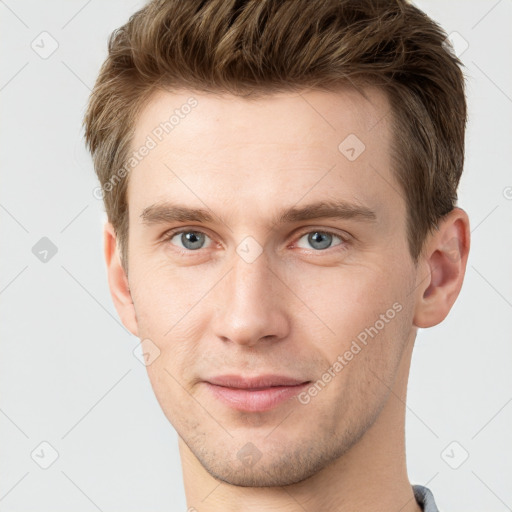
(320, 240)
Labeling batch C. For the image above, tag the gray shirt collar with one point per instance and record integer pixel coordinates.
(425, 498)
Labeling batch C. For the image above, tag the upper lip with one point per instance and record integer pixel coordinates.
(261, 381)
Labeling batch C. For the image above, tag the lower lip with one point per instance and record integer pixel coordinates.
(255, 401)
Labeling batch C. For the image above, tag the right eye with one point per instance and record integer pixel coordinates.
(190, 240)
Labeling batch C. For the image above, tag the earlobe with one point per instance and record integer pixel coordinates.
(445, 257)
(118, 281)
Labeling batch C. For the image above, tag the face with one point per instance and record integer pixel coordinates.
(297, 267)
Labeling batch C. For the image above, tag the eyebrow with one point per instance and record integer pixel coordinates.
(165, 212)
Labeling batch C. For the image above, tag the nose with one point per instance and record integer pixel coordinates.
(250, 305)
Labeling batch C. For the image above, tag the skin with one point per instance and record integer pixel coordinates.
(294, 309)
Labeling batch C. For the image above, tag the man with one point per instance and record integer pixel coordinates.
(280, 181)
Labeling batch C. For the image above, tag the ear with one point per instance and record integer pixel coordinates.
(118, 281)
(443, 261)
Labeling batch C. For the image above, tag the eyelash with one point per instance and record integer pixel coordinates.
(169, 235)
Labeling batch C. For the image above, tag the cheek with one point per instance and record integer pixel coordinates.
(164, 296)
(170, 314)
(369, 314)
(351, 299)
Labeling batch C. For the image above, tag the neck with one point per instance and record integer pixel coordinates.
(371, 475)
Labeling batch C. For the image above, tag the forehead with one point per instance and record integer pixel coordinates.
(285, 144)
(320, 115)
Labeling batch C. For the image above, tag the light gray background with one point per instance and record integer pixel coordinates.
(68, 373)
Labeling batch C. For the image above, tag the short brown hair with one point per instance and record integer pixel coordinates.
(256, 47)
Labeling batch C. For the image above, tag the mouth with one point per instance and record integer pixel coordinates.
(256, 394)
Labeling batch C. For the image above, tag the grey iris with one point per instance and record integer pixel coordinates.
(323, 240)
(192, 239)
